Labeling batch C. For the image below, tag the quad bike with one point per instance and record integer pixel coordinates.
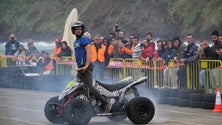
(76, 105)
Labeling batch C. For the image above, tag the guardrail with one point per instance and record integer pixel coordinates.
(199, 73)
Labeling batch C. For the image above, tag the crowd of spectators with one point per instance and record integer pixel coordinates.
(167, 50)
(43, 61)
(116, 45)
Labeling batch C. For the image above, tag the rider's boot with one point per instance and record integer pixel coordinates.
(105, 104)
(107, 107)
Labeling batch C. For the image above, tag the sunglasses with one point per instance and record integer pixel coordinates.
(78, 28)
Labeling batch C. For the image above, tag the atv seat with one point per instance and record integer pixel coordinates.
(115, 86)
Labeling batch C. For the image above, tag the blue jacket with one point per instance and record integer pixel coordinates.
(168, 55)
(80, 52)
(190, 52)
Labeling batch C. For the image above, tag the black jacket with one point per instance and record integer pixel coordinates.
(210, 52)
(66, 52)
(190, 52)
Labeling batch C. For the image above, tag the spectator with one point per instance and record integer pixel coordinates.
(106, 42)
(160, 48)
(102, 38)
(87, 34)
(115, 49)
(44, 63)
(12, 46)
(57, 48)
(167, 56)
(219, 51)
(147, 51)
(200, 53)
(31, 47)
(178, 48)
(21, 54)
(137, 49)
(171, 76)
(169, 53)
(122, 37)
(127, 46)
(131, 37)
(188, 56)
(220, 39)
(164, 44)
(66, 50)
(111, 35)
(128, 50)
(149, 36)
(98, 58)
(211, 51)
(56, 52)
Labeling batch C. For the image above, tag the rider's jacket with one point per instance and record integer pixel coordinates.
(80, 52)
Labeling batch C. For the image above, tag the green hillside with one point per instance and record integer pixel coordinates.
(45, 19)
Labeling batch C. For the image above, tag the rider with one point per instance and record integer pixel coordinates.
(83, 54)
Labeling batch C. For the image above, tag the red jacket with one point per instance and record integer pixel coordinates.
(148, 51)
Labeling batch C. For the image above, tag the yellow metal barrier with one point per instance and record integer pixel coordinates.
(209, 75)
(134, 68)
(66, 65)
(116, 69)
(170, 74)
(3, 62)
(157, 68)
(220, 71)
(201, 74)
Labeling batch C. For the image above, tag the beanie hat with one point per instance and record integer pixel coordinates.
(215, 33)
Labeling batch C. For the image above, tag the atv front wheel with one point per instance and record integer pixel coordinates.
(78, 112)
(141, 110)
(51, 111)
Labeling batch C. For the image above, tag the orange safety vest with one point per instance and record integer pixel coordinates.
(49, 66)
(57, 50)
(100, 55)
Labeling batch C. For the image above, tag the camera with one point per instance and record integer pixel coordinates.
(117, 28)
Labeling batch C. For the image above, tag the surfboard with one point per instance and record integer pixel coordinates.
(67, 34)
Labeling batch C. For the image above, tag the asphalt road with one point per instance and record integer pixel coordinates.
(25, 107)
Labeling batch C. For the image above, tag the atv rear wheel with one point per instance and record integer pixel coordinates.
(141, 110)
(51, 111)
(78, 112)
